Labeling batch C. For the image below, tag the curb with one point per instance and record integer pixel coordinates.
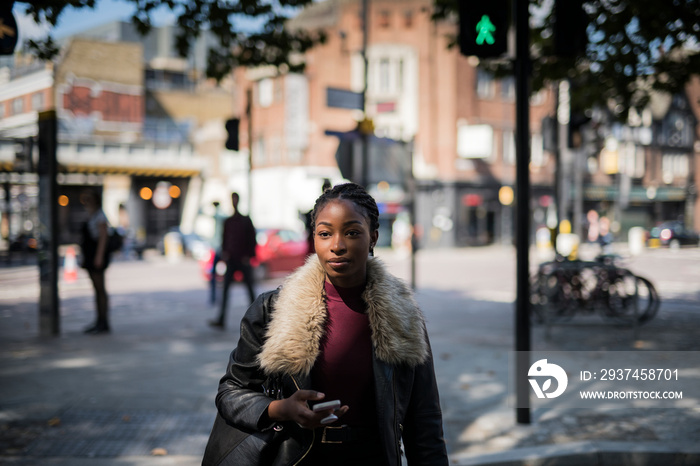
(119, 461)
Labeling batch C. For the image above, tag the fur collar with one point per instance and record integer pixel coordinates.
(297, 324)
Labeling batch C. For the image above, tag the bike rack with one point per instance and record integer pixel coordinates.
(550, 309)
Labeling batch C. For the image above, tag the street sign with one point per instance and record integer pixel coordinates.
(341, 98)
(388, 160)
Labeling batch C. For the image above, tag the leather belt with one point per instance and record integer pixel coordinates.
(347, 434)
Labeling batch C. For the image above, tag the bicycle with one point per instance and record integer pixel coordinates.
(562, 288)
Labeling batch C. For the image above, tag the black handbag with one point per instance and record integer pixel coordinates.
(231, 445)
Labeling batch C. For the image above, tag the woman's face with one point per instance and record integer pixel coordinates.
(342, 239)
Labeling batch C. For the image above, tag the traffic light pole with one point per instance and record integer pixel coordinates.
(249, 117)
(49, 316)
(364, 178)
(522, 180)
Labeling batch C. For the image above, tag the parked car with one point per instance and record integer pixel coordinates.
(673, 234)
(279, 251)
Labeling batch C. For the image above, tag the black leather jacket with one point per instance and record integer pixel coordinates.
(406, 393)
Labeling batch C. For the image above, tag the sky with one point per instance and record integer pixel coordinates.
(74, 20)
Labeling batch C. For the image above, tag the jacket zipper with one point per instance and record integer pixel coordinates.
(397, 435)
(313, 432)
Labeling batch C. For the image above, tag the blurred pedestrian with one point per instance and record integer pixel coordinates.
(237, 250)
(95, 257)
(605, 236)
(124, 229)
(592, 219)
(340, 328)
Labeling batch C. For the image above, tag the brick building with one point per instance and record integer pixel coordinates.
(459, 120)
(126, 127)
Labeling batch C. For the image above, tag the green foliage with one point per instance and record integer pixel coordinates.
(635, 47)
(268, 43)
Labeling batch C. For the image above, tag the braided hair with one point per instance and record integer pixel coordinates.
(351, 192)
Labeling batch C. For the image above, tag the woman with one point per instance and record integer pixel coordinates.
(95, 235)
(341, 327)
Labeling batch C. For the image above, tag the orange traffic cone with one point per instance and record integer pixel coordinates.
(70, 266)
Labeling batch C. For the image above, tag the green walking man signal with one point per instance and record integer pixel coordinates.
(485, 30)
(483, 27)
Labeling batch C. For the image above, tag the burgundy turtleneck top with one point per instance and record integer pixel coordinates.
(343, 369)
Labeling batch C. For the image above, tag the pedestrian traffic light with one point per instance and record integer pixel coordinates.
(483, 27)
(232, 130)
(570, 22)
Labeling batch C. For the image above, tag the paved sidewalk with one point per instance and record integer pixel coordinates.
(143, 395)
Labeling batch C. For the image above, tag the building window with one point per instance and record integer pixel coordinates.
(357, 73)
(537, 98)
(275, 156)
(294, 156)
(259, 152)
(38, 101)
(508, 148)
(674, 166)
(18, 106)
(2, 109)
(639, 166)
(265, 92)
(537, 158)
(408, 18)
(631, 160)
(279, 90)
(399, 78)
(384, 77)
(484, 84)
(508, 88)
(384, 19)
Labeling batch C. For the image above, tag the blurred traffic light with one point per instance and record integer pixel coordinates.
(570, 24)
(483, 27)
(232, 130)
(575, 129)
(23, 155)
(549, 133)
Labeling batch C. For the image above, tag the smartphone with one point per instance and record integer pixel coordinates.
(335, 404)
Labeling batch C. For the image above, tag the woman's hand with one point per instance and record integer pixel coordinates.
(295, 408)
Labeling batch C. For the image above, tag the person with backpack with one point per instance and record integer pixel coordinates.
(95, 257)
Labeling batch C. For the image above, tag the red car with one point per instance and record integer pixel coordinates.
(279, 252)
